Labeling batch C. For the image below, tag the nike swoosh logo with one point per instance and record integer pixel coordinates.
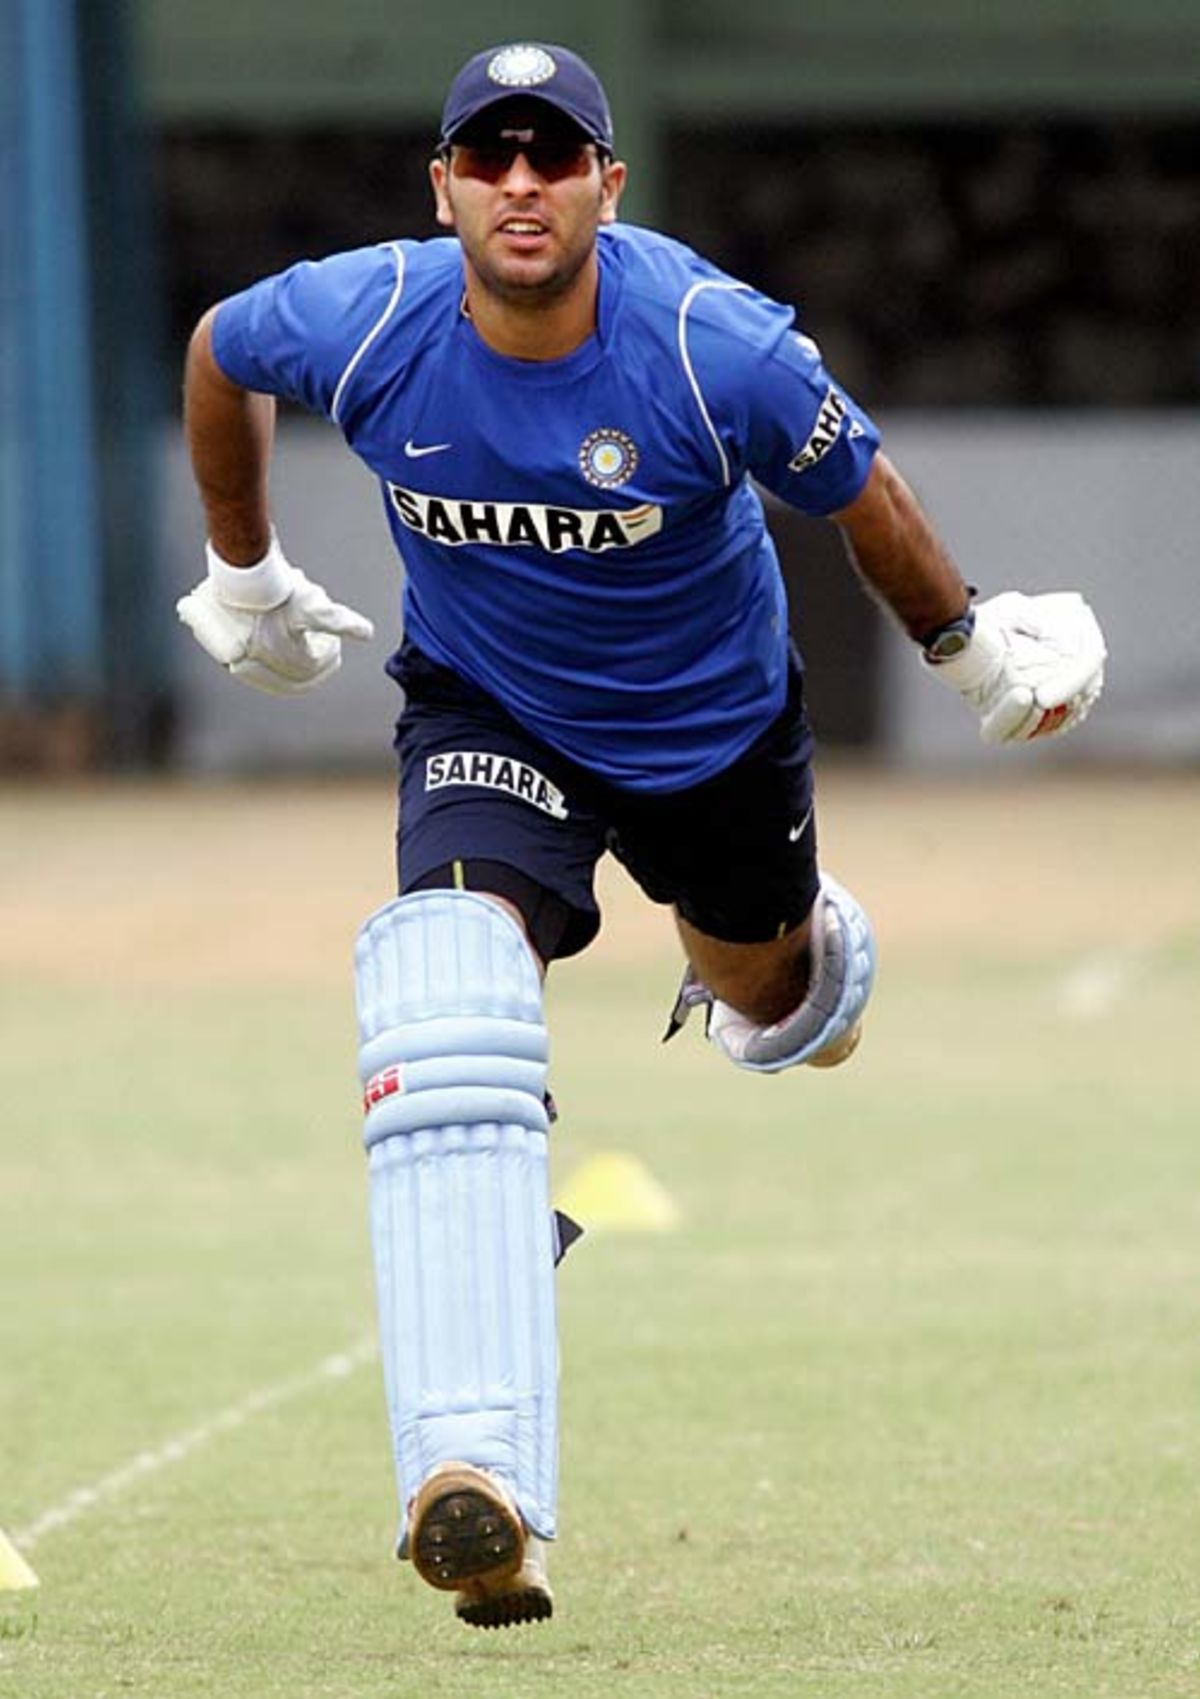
(415, 453)
(797, 832)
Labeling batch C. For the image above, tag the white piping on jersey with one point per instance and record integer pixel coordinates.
(356, 357)
(684, 306)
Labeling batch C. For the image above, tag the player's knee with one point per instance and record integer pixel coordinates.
(544, 916)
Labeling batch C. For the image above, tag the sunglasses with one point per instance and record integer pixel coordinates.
(553, 159)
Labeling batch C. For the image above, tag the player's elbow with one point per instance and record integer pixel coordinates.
(877, 501)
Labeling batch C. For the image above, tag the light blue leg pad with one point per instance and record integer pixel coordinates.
(453, 1065)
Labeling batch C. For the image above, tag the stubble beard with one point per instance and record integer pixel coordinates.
(529, 293)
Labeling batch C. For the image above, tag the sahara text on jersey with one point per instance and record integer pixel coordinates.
(443, 519)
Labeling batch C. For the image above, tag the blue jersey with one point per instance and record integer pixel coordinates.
(581, 536)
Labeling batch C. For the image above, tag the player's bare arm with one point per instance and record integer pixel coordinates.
(899, 554)
(1030, 666)
(255, 613)
(230, 433)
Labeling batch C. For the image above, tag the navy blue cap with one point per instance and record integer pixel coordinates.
(535, 70)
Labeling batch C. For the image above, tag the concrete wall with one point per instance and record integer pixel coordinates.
(1106, 505)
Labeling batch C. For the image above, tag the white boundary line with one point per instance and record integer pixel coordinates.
(177, 1449)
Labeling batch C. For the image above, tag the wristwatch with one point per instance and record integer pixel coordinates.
(947, 641)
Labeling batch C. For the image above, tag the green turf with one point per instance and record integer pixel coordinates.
(906, 1407)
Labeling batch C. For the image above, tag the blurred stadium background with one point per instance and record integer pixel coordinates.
(990, 219)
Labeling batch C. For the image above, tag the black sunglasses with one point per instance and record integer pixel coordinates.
(552, 158)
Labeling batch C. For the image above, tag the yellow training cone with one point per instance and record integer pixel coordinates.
(15, 1573)
(615, 1190)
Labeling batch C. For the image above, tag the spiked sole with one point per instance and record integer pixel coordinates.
(464, 1528)
(466, 1536)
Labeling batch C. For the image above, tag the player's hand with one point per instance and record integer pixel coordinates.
(1033, 668)
(268, 625)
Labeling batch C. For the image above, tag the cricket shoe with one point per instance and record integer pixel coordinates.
(465, 1535)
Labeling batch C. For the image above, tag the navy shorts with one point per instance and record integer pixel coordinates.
(485, 805)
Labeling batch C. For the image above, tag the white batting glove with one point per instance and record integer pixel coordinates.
(268, 624)
(1033, 667)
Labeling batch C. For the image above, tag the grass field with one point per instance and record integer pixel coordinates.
(907, 1406)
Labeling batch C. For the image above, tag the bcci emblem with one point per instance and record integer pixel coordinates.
(521, 67)
(608, 458)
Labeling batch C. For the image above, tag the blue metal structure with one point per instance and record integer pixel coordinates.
(51, 629)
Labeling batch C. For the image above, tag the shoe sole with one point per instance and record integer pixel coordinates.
(464, 1529)
(467, 1536)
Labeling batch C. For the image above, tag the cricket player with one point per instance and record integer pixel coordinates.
(567, 417)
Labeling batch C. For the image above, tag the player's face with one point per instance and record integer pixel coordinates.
(525, 195)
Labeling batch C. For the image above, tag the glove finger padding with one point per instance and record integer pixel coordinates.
(1013, 718)
(1033, 668)
(311, 608)
(269, 624)
(265, 677)
(222, 632)
(260, 649)
(300, 656)
(1058, 650)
